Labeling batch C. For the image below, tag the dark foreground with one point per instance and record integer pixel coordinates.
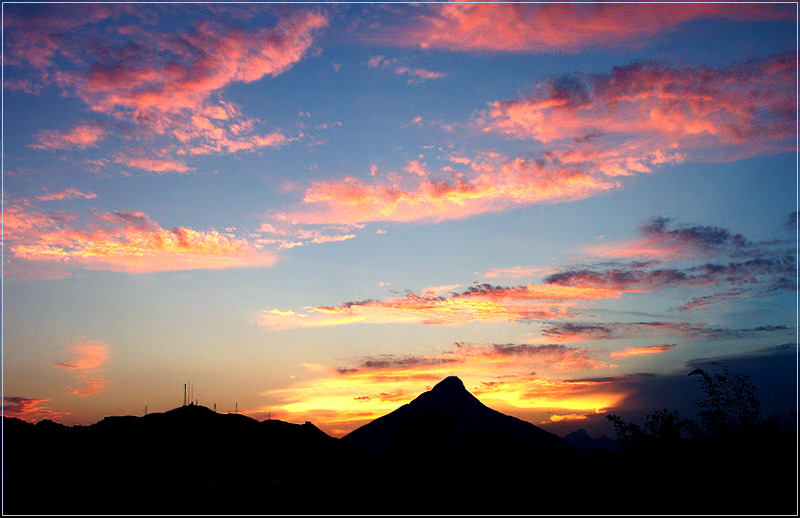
(445, 453)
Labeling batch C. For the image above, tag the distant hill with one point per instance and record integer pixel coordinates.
(447, 416)
(186, 460)
(581, 440)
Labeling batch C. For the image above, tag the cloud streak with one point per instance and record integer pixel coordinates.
(661, 238)
(483, 303)
(69, 193)
(121, 241)
(540, 28)
(84, 365)
(493, 185)
(567, 332)
(80, 136)
(30, 409)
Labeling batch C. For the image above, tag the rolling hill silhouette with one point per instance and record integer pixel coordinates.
(189, 459)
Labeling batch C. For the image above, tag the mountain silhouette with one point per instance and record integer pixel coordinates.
(445, 452)
(581, 440)
(446, 416)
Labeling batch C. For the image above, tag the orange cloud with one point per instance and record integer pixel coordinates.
(80, 136)
(483, 303)
(87, 360)
(69, 193)
(639, 351)
(556, 418)
(537, 28)
(493, 185)
(121, 241)
(344, 398)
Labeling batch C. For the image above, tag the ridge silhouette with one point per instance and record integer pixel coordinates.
(444, 452)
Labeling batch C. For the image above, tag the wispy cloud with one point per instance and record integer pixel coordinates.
(538, 28)
(153, 165)
(752, 269)
(491, 185)
(483, 303)
(30, 409)
(642, 351)
(568, 332)
(518, 271)
(87, 358)
(415, 74)
(662, 238)
(122, 241)
(80, 136)
(69, 193)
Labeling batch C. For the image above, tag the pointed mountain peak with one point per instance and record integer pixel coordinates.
(450, 383)
(450, 393)
(450, 389)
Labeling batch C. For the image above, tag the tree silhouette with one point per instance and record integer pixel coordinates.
(663, 432)
(730, 406)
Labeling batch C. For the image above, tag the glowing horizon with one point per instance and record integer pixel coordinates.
(317, 212)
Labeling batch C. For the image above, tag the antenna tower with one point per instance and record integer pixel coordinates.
(184, 394)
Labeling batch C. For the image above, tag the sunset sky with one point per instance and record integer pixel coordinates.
(316, 212)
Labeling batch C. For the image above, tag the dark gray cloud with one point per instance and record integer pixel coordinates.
(688, 331)
(704, 237)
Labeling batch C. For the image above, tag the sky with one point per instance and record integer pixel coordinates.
(315, 212)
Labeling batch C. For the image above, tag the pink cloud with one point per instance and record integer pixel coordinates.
(154, 165)
(208, 59)
(30, 409)
(84, 365)
(80, 136)
(69, 193)
(120, 241)
(172, 85)
(641, 116)
(538, 28)
(22, 85)
(37, 38)
(492, 185)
